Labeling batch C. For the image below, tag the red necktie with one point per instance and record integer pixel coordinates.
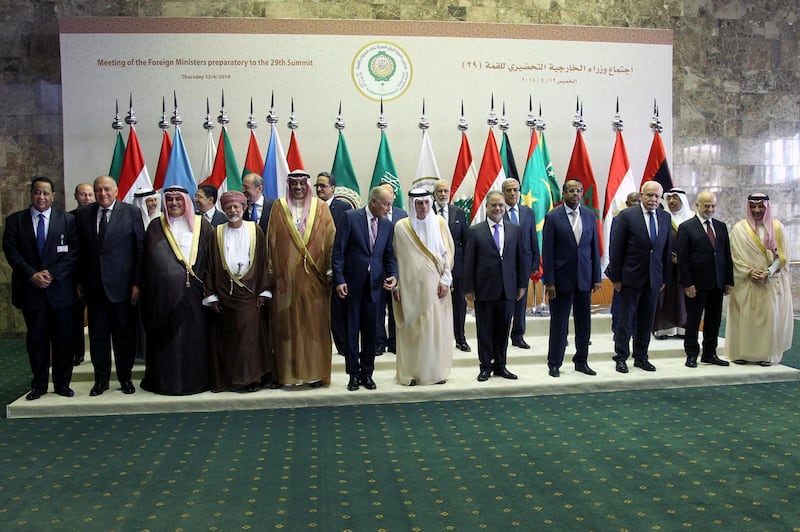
(710, 233)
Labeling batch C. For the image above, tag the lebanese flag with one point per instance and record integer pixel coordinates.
(464, 179)
(134, 173)
(253, 161)
(163, 160)
(580, 169)
(620, 184)
(657, 168)
(293, 157)
(225, 174)
(490, 177)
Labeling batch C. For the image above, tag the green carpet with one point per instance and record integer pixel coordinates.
(723, 458)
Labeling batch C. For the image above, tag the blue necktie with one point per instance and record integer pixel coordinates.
(514, 218)
(40, 236)
(652, 227)
(497, 236)
(254, 215)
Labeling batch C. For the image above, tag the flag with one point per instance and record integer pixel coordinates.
(535, 189)
(253, 161)
(208, 158)
(275, 167)
(225, 174)
(507, 157)
(620, 184)
(385, 172)
(580, 169)
(552, 180)
(163, 160)
(134, 173)
(117, 157)
(179, 171)
(464, 179)
(657, 168)
(490, 177)
(342, 171)
(293, 157)
(427, 173)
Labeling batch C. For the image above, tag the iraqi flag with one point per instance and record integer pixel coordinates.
(580, 169)
(225, 173)
(179, 170)
(275, 167)
(490, 177)
(163, 160)
(133, 174)
(464, 179)
(657, 168)
(620, 184)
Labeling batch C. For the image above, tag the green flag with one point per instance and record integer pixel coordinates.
(385, 171)
(346, 181)
(555, 188)
(535, 190)
(117, 158)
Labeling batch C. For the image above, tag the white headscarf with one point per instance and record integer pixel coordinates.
(427, 229)
(684, 213)
(139, 200)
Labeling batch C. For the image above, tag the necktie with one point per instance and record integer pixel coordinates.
(652, 226)
(40, 236)
(496, 235)
(254, 213)
(514, 218)
(101, 230)
(710, 232)
(373, 232)
(576, 229)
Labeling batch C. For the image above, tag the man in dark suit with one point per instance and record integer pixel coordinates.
(639, 261)
(206, 201)
(364, 268)
(457, 223)
(258, 205)
(495, 277)
(386, 340)
(84, 195)
(522, 216)
(325, 188)
(571, 272)
(41, 245)
(706, 274)
(112, 249)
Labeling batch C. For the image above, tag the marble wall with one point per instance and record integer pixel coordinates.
(736, 70)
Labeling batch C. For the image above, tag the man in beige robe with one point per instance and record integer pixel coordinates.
(299, 244)
(759, 326)
(424, 250)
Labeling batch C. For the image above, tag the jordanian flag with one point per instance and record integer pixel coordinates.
(490, 177)
(464, 179)
(225, 173)
(117, 157)
(342, 171)
(133, 175)
(385, 171)
(580, 169)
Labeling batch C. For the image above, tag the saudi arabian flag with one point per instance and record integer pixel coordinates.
(117, 158)
(552, 180)
(385, 171)
(535, 190)
(346, 181)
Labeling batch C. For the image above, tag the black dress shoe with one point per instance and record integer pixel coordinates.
(463, 346)
(644, 364)
(691, 362)
(353, 384)
(622, 367)
(505, 374)
(521, 343)
(98, 389)
(660, 336)
(584, 368)
(714, 359)
(127, 387)
(78, 360)
(316, 384)
(65, 391)
(554, 372)
(483, 376)
(368, 383)
(35, 393)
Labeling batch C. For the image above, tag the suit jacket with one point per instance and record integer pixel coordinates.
(338, 208)
(219, 218)
(699, 264)
(398, 214)
(59, 258)
(633, 259)
(567, 264)
(459, 230)
(263, 217)
(530, 242)
(488, 275)
(352, 260)
(111, 267)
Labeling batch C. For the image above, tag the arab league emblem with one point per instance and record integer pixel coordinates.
(381, 70)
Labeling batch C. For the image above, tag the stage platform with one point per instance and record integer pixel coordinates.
(529, 365)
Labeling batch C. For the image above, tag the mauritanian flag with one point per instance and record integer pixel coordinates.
(507, 158)
(253, 161)
(117, 157)
(275, 167)
(134, 173)
(179, 171)
(657, 168)
(490, 177)
(163, 160)
(465, 178)
(385, 171)
(552, 180)
(293, 157)
(225, 173)
(209, 155)
(342, 171)
(427, 172)
(620, 184)
(535, 190)
(580, 169)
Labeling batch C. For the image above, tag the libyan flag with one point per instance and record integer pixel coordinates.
(225, 173)
(385, 171)
(657, 168)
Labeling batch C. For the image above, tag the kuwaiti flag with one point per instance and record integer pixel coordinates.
(345, 175)
(253, 161)
(225, 174)
(163, 160)
(293, 157)
(620, 184)
(275, 167)
(385, 172)
(535, 190)
(208, 158)
(552, 179)
(507, 158)
(427, 172)
(580, 169)
(657, 168)
(134, 173)
(179, 171)
(465, 178)
(490, 177)
(117, 157)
